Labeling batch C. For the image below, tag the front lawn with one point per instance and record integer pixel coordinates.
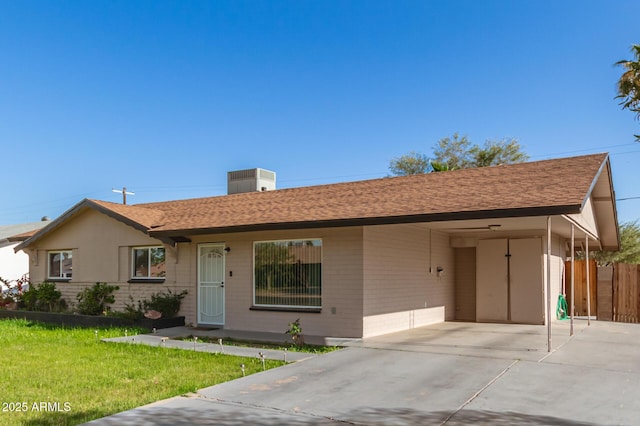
(65, 376)
(311, 349)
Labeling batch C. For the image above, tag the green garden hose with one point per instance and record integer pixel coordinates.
(561, 310)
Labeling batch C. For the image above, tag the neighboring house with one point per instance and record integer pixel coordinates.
(14, 265)
(353, 259)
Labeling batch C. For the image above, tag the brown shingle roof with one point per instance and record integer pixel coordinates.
(558, 186)
(549, 187)
(147, 217)
(23, 236)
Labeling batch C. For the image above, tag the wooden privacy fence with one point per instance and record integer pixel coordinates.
(615, 291)
(626, 294)
(581, 286)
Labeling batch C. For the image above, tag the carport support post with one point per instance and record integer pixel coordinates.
(548, 283)
(572, 307)
(588, 283)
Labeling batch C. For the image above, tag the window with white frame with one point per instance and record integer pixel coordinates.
(60, 264)
(148, 263)
(288, 273)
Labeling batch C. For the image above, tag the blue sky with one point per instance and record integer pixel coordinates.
(165, 97)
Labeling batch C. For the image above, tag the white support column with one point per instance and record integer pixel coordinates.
(548, 283)
(588, 283)
(572, 302)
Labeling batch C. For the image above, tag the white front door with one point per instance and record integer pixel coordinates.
(211, 284)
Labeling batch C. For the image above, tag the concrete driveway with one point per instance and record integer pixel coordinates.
(451, 373)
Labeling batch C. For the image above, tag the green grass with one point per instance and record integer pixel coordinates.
(89, 379)
(312, 349)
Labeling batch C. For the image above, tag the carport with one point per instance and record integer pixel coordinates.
(511, 269)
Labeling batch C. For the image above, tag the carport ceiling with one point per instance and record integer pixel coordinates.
(485, 228)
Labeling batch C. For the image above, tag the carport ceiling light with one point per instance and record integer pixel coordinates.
(479, 228)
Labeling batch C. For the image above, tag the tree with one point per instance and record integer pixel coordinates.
(629, 84)
(458, 153)
(439, 167)
(629, 247)
(504, 151)
(412, 163)
(454, 152)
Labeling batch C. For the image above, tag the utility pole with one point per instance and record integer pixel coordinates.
(124, 194)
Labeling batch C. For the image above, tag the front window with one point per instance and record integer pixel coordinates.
(288, 273)
(148, 262)
(60, 264)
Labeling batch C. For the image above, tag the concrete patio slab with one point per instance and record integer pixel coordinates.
(564, 393)
(507, 341)
(604, 345)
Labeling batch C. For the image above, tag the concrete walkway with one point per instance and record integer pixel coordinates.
(168, 338)
(451, 373)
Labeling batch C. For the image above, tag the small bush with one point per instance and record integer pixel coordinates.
(96, 300)
(167, 303)
(131, 311)
(43, 297)
(29, 299)
(295, 331)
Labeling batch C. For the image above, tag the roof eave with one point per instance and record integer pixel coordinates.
(51, 226)
(86, 203)
(606, 166)
(386, 220)
(614, 206)
(17, 238)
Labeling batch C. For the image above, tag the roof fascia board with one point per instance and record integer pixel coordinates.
(614, 206)
(130, 222)
(118, 217)
(53, 225)
(86, 203)
(606, 163)
(16, 239)
(335, 223)
(594, 181)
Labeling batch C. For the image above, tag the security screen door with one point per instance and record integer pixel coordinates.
(211, 284)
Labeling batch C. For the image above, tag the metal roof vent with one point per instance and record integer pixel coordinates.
(250, 180)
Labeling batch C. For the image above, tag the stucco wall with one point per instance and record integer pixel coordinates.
(586, 218)
(101, 248)
(557, 270)
(341, 314)
(400, 272)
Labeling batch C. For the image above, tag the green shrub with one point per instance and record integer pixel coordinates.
(43, 297)
(131, 311)
(29, 299)
(167, 303)
(96, 300)
(295, 331)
